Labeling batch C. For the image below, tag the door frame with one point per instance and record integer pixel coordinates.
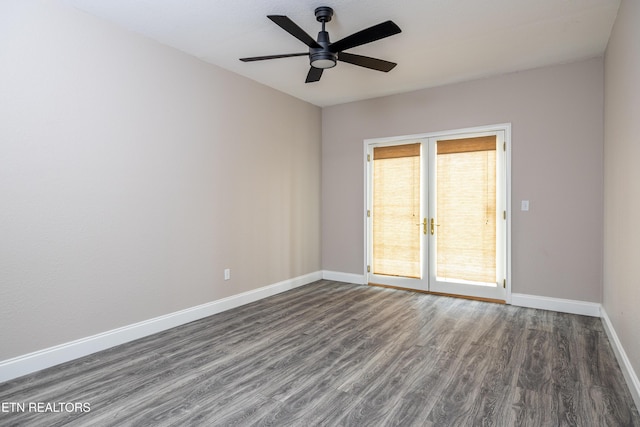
(505, 127)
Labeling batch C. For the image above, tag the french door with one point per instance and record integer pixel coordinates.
(437, 213)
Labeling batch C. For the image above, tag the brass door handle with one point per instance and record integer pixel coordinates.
(433, 226)
(424, 225)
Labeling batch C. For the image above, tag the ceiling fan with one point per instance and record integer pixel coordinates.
(324, 54)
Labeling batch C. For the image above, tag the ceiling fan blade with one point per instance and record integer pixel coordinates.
(367, 62)
(314, 75)
(290, 27)
(368, 35)
(261, 58)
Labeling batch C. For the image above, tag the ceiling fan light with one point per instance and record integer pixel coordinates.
(323, 63)
(322, 58)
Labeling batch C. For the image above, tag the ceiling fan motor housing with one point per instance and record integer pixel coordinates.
(322, 57)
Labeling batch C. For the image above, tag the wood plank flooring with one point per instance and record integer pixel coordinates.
(335, 354)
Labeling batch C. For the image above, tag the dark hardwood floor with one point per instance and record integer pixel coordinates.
(334, 354)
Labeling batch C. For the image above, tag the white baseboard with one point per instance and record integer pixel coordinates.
(26, 364)
(625, 364)
(521, 300)
(556, 304)
(358, 279)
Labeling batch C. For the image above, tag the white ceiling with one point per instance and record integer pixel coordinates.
(442, 41)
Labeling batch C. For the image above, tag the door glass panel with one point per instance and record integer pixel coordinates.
(466, 209)
(396, 210)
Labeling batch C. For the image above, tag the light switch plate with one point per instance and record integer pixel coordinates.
(524, 205)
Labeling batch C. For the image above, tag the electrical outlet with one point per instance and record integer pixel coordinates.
(227, 273)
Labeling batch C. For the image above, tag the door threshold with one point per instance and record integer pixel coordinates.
(441, 294)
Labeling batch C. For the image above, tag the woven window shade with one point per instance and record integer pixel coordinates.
(466, 209)
(396, 210)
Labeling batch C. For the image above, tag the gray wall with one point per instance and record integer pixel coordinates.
(131, 175)
(557, 138)
(622, 180)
